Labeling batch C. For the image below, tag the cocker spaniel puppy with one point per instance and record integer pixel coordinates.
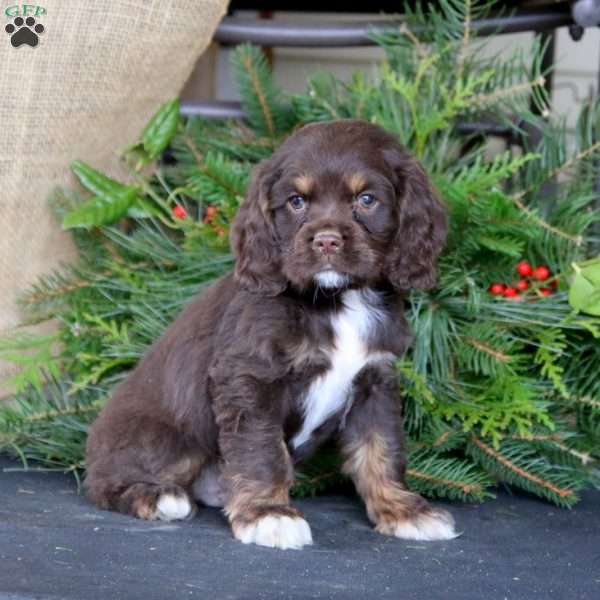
(297, 345)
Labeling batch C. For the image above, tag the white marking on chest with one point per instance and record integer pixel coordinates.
(330, 392)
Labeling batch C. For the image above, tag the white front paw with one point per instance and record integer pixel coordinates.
(275, 531)
(435, 524)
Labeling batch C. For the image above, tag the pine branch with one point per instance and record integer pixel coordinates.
(466, 488)
(38, 296)
(517, 197)
(552, 346)
(565, 166)
(441, 439)
(519, 88)
(524, 477)
(189, 142)
(505, 358)
(438, 476)
(464, 48)
(260, 94)
(584, 458)
(421, 50)
(51, 415)
(587, 401)
(576, 239)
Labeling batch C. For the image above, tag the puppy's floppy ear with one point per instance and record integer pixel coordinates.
(422, 225)
(254, 240)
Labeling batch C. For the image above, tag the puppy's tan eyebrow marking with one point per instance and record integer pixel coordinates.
(356, 182)
(304, 184)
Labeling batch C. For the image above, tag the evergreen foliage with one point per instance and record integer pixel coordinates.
(495, 390)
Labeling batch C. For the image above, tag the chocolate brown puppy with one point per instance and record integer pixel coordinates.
(296, 346)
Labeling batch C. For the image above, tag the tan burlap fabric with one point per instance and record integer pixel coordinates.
(100, 70)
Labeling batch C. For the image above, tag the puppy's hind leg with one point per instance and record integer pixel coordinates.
(157, 502)
(162, 495)
(150, 477)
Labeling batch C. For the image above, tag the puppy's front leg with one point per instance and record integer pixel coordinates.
(257, 468)
(372, 443)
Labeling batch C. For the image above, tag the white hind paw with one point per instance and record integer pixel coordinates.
(170, 507)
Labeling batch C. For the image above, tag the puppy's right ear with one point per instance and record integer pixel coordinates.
(254, 241)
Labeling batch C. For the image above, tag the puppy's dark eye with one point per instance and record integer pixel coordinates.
(367, 200)
(297, 202)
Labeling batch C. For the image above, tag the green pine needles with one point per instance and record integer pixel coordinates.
(496, 389)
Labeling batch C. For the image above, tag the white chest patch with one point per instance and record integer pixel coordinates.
(330, 392)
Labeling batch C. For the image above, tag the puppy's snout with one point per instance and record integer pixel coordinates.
(327, 242)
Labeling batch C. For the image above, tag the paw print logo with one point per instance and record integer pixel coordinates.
(24, 31)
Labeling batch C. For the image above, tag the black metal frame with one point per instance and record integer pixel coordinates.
(212, 109)
(268, 32)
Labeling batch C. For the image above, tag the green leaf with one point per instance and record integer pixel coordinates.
(101, 210)
(96, 182)
(584, 293)
(161, 129)
(112, 199)
(142, 209)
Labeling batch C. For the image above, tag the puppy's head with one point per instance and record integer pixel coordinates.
(338, 204)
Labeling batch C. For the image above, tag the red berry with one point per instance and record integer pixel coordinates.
(524, 269)
(497, 288)
(510, 292)
(179, 212)
(541, 273)
(211, 210)
(554, 283)
(522, 285)
(210, 213)
(545, 291)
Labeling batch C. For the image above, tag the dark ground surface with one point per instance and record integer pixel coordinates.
(54, 544)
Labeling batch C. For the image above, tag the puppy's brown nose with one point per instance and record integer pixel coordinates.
(327, 242)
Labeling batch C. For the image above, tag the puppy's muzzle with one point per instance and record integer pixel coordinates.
(327, 242)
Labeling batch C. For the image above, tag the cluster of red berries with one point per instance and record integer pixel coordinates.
(209, 218)
(179, 212)
(527, 272)
(210, 214)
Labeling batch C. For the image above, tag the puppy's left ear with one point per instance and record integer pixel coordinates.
(412, 261)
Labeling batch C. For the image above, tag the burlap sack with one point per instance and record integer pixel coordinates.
(99, 70)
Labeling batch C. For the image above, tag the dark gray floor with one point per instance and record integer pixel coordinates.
(53, 544)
